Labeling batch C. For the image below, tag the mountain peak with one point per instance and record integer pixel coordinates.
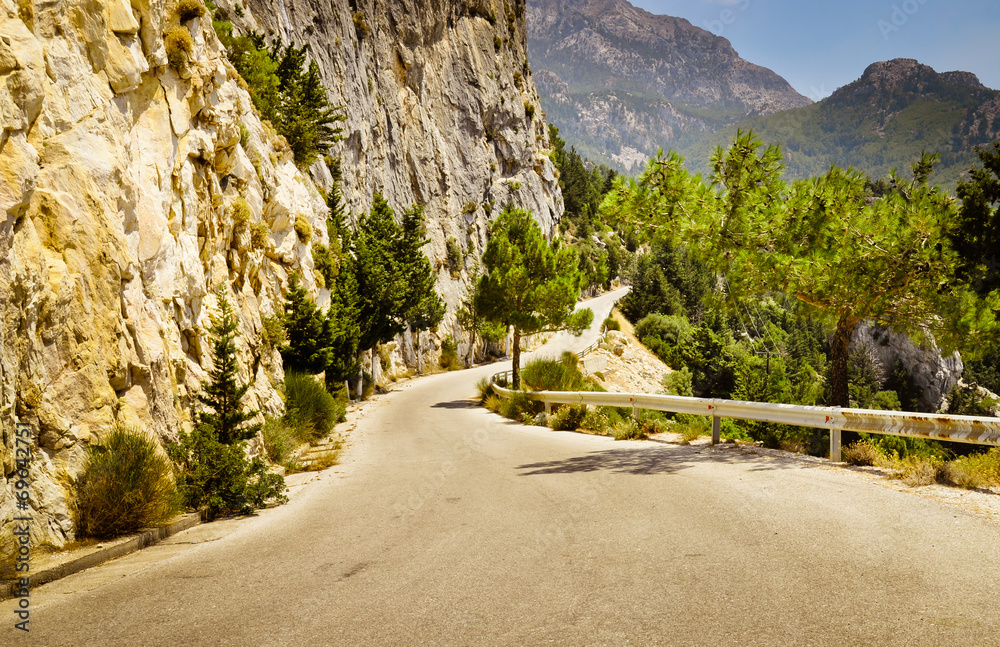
(621, 82)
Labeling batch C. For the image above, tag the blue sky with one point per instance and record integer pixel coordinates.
(821, 45)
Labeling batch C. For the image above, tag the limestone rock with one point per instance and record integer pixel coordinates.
(933, 373)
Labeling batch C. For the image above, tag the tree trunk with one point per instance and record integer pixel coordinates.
(420, 352)
(472, 350)
(361, 377)
(515, 355)
(375, 367)
(839, 394)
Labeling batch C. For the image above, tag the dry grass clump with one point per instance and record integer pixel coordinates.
(975, 470)
(189, 10)
(862, 452)
(179, 46)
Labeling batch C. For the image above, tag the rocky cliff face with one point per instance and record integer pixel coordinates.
(119, 175)
(621, 82)
(441, 110)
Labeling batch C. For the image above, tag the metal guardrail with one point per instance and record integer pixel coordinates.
(962, 429)
(589, 349)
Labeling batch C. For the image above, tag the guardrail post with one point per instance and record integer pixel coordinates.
(548, 407)
(716, 430)
(835, 445)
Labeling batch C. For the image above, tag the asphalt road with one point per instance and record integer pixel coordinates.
(447, 525)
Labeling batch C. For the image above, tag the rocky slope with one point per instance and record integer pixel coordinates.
(880, 122)
(441, 110)
(620, 82)
(119, 174)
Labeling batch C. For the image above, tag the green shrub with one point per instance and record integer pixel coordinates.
(126, 485)
(449, 354)
(611, 324)
(519, 405)
(454, 257)
(917, 470)
(555, 375)
(653, 422)
(965, 400)
(518, 80)
(189, 10)
(309, 407)
(492, 403)
(497, 43)
(692, 427)
(272, 332)
(244, 136)
(627, 429)
(484, 388)
(179, 46)
(529, 111)
(861, 452)
(602, 420)
(568, 417)
(678, 382)
(279, 439)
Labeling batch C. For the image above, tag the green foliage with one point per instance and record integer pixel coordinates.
(529, 111)
(846, 255)
(286, 90)
(555, 375)
(454, 257)
(471, 319)
(678, 383)
(307, 330)
(126, 485)
(966, 400)
(529, 284)
(568, 417)
(279, 440)
(189, 10)
(309, 408)
(395, 281)
(449, 354)
(272, 331)
(518, 406)
(222, 394)
(611, 324)
(627, 429)
(484, 388)
(976, 232)
(179, 46)
(667, 280)
(210, 462)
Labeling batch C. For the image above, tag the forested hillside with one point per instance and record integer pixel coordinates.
(878, 123)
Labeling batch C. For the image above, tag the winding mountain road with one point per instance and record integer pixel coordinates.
(448, 525)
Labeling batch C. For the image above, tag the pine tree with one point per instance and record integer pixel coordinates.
(529, 284)
(211, 467)
(223, 394)
(308, 344)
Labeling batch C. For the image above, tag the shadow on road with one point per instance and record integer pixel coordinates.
(651, 460)
(456, 404)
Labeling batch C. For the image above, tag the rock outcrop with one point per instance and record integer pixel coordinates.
(621, 82)
(119, 179)
(441, 110)
(934, 374)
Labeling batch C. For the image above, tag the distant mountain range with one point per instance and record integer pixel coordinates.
(620, 83)
(878, 123)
